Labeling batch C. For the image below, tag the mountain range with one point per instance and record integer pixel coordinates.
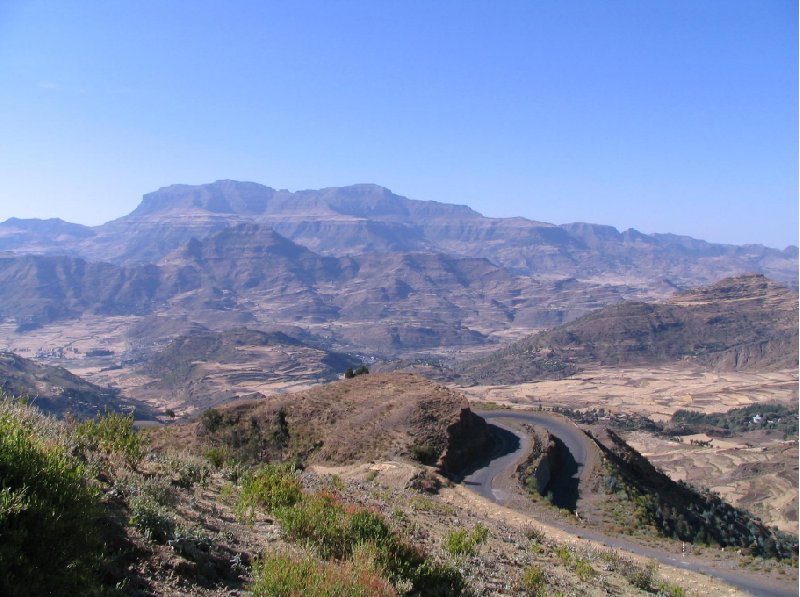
(368, 218)
(359, 267)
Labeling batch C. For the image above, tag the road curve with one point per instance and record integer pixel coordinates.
(508, 454)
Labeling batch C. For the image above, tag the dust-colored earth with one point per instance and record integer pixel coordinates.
(655, 392)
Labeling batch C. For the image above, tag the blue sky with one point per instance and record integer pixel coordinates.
(666, 116)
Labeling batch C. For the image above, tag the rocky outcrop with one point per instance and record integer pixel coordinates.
(367, 418)
(467, 440)
(537, 470)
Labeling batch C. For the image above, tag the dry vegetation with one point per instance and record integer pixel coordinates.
(174, 523)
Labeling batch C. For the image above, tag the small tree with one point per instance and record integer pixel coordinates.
(280, 434)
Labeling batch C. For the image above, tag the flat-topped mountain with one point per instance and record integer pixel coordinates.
(368, 218)
(747, 322)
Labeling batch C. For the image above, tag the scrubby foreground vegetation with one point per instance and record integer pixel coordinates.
(91, 508)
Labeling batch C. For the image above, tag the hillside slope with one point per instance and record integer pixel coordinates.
(203, 368)
(367, 418)
(743, 322)
(57, 391)
(372, 302)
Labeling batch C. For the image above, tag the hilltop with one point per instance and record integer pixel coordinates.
(364, 419)
(747, 322)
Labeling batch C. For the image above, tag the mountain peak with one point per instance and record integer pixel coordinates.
(749, 286)
(220, 197)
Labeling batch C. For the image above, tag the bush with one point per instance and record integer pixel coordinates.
(533, 580)
(211, 420)
(461, 543)
(217, 456)
(112, 433)
(318, 521)
(350, 373)
(641, 577)
(279, 574)
(48, 516)
(270, 487)
(323, 523)
(564, 554)
(424, 453)
(583, 569)
(188, 471)
(667, 589)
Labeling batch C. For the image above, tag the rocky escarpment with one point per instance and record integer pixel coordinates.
(366, 218)
(536, 471)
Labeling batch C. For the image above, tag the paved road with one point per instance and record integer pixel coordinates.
(513, 446)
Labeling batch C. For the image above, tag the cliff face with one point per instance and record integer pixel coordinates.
(467, 439)
(537, 471)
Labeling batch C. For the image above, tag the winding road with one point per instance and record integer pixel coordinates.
(513, 446)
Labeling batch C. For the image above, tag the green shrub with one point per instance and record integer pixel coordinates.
(278, 575)
(211, 420)
(319, 521)
(48, 516)
(564, 554)
(462, 543)
(188, 471)
(217, 456)
(112, 433)
(424, 453)
(533, 580)
(322, 522)
(366, 526)
(157, 488)
(667, 589)
(583, 569)
(270, 487)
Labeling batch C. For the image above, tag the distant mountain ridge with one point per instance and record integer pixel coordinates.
(747, 322)
(342, 221)
(389, 302)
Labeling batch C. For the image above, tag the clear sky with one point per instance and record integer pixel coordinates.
(665, 115)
